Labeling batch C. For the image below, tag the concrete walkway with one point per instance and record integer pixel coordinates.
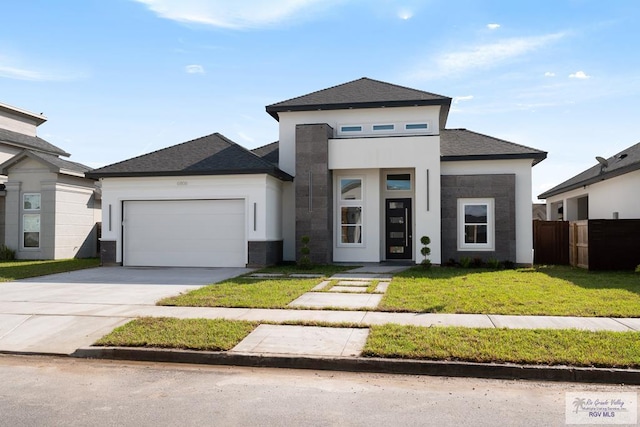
(70, 311)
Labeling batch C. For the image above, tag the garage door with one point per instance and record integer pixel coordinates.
(184, 233)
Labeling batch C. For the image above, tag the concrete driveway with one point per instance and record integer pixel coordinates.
(59, 313)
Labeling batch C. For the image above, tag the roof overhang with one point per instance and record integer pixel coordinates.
(276, 173)
(601, 177)
(535, 157)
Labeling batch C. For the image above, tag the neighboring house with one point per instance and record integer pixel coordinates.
(608, 190)
(364, 169)
(539, 211)
(48, 208)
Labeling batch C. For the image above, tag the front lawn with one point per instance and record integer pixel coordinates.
(245, 292)
(521, 346)
(554, 290)
(13, 270)
(190, 334)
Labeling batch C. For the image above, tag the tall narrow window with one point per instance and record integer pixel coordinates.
(31, 220)
(475, 224)
(350, 204)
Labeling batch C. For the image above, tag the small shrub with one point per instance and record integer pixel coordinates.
(494, 263)
(465, 262)
(451, 263)
(305, 261)
(6, 253)
(638, 269)
(425, 251)
(477, 262)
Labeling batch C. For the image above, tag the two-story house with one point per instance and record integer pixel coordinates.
(364, 169)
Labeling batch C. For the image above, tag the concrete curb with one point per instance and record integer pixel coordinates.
(371, 365)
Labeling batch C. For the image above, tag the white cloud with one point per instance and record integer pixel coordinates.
(405, 14)
(246, 137)
(549, 74)
(484, 56)
(579, 75)
(232, 14)
(457, 99)
(10, 69)
(493, 26)
(194, 69)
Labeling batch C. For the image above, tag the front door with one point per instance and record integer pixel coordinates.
(399, 239)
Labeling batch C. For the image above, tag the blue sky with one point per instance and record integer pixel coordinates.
(119, 78)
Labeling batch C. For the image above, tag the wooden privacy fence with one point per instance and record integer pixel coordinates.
(551, 242)
(596, 244)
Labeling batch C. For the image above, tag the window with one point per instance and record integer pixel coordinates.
(31, 202)
(416, 126)
(31, 227)
(383, 127)
(399, 182)
(475, 224)
(350, 209)
(350, 189)
(350, 128)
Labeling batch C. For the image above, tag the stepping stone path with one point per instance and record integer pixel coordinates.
(346, 291)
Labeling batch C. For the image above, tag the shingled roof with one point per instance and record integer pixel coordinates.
(209, 155)
(269, 152)
(463, 144)
(362, 93)
(30, 142)
(55, 163)
(626, 161)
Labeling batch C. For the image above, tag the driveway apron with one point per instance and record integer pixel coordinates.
(60, 313)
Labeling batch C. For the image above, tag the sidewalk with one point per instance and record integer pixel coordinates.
(317, 347)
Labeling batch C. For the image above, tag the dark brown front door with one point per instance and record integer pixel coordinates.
(398, 229)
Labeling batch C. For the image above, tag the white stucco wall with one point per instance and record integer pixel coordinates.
(19, 122)
(289, 120)
(76, 212)
(524, 216)
(619, 194)
(416, 153)
(259, 189)
(402, 151)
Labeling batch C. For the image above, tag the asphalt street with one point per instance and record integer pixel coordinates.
(51, 391)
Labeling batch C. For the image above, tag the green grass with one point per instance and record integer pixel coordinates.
(560, 291)
(13, 270)
(323, 270)
(243, 292)
(521, 346)
(191, 334)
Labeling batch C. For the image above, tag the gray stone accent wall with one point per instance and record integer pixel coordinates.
(108, 253)
(314, 191)
(262, 254)
(502, 188)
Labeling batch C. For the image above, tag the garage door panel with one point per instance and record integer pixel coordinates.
(194, 233)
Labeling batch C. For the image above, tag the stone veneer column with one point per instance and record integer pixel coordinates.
(314, 192)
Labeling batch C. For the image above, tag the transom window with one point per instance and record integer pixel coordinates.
(416, 126)
(383, 127)
(350, 209)
(475, 224)
(351, 128)
(399, 182)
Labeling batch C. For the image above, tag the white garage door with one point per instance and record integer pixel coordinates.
(184, 233)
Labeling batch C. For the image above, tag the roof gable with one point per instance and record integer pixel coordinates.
(626, 161)
(362, 93)
(209, 155)
(30, 142)
(54, 163)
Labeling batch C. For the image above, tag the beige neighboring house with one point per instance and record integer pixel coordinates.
(48, 208)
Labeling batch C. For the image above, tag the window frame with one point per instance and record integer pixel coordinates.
(349, 203)
(28, 216)
(490, 244)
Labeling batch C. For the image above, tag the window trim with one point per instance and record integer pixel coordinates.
(490, 245)
(349, 203)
